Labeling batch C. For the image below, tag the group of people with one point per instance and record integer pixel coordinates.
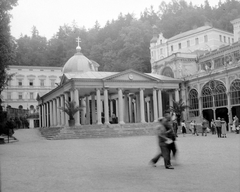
(166, 141)
(219, 126)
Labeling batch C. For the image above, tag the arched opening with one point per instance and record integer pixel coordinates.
(193, 103)
(20, 107)
(214, 96)
(31, 107)
(167, 71)
(235, 97)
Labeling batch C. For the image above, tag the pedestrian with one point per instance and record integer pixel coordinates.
(170, 134)
(213, 127)
(195, 128)
(154, 160)
(175, 127)
(164, 142)
(233, 125)
(184, 130)
(204, 127)
(192, 127)
(219, 127)
(224, 128)
(237, 124)
(10, 126)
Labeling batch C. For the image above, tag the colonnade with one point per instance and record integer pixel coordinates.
(137, 107)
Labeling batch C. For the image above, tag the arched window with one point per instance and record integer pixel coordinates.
(20, 107)
(193, 103)
(31, 107)
(214, 91)
(235, 92)
(167, 71)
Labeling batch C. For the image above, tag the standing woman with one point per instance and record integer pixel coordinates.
(224, 128)
(213, 127)
(233, 125)
(184, 130)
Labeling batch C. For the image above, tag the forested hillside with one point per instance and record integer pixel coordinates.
(123, 43)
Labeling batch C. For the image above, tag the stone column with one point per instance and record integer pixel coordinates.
(106, 107)
(54, 113)
(160, 109)
(50, 113)
(130, 109)
(111, 108)
(83, 112)
(87, 111)
(155, 110)
(99, 110)
(151, 109)
(116, 101)
(43, 115)
(170, 99)
(120, 106)
(93, 108)
(200, 100)
(77, 115)
(58, 122)
(177, 95)
(126, 108)
(230, 117)
(62, 113)
(66, 95)
(47, 114)
(142, 111)
(148, 112)
(72, 95)
(138, 110)
(40, 116)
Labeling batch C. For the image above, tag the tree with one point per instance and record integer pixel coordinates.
(6, 41)
(178, 108)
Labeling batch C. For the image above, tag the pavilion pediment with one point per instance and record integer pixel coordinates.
(129, 75)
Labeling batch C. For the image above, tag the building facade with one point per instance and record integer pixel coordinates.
(27, 82)
(210, 78)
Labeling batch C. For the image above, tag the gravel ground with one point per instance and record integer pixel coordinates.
(204, 164)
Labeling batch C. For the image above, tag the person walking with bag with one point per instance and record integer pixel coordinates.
(184, 130)
(219, 127)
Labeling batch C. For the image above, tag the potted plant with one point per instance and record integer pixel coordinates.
(70, 108)
(178, 107)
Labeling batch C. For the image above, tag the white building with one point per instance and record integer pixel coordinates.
(27, 82)
(202, 38)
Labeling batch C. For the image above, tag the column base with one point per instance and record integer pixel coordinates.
(77, 124)
(155, 121)
(121, 122)
(143, 121)
(106, 123)
(99, 123)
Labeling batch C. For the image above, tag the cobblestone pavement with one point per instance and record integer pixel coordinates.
(205, 164)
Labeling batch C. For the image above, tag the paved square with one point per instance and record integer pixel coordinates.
(205, 164)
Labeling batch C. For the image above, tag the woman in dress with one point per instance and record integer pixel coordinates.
(224, 128)
(184, 130)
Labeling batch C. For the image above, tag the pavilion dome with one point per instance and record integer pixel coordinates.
(78, 63)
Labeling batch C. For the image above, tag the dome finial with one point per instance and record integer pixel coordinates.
(78, 47)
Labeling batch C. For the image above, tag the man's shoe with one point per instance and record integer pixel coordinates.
(170, 167)
(152, 164)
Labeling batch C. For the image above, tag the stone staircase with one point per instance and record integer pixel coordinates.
(98, 131)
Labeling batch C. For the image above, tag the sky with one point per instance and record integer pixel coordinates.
(49, 15)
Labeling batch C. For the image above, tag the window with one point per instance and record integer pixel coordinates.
(224, 39)
(229, 41)
(41, 83)
(19, 69)
(232, 40)
(161, 52)
(9, 95)
(19, 82)
(193, 100)
(188, 43)
(41, 69)
(30, 82)
(172, 48)
(52, 83)
(205, 38)
(52, 70)
(9, 83)
(196, 41)
(20, 96)
(179, 46)
(31, 95)
(235, 92)
(30, 69)
(220, 38)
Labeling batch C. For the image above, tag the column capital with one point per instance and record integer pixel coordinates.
(141, 89)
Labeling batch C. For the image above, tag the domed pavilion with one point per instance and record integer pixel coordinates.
(131, 96)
